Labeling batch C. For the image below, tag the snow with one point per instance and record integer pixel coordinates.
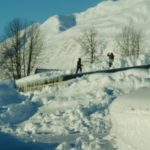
(77, 117)
(131, 120)
(14, 107)
(39, 78)
(9, 142)
(8, 95)
(108, 18)
(102, 111)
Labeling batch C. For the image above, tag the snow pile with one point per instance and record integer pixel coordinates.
(8, 95)
(130, 115)
(40, 78)
(108, 18)
(51, 76)
(132, 61)
(18, 112)
(74, 116)
(9, 142)
(14, 107)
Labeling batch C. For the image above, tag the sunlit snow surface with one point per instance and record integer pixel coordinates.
(75, 114)
(61, 49)
(95, 112)
(131, 120)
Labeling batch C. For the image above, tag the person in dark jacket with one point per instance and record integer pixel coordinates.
(79, 66)
(111, 58)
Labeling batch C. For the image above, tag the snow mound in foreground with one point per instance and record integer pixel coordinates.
(14, 107)
(8, 95)
(131, 120)
(9, 142)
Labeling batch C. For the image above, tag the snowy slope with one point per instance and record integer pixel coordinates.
(73, 113)
(61, 50)
(94, 112)
(131, 120)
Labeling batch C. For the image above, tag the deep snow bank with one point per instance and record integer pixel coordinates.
(130, 115)
(75, 112)
(9, 142)
(39, 79)
(14, 107)
(8, 95)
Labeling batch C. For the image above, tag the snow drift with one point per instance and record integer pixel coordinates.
(108, 18)
(131, 120)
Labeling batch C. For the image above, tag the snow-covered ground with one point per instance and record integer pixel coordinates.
(108, 18)
(95, 112)
(80, 114)
(130, 115)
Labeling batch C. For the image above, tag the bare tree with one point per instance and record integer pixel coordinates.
(130, 41)
(18, 50)
(11, 48)
(34, 46)
(90, 42)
